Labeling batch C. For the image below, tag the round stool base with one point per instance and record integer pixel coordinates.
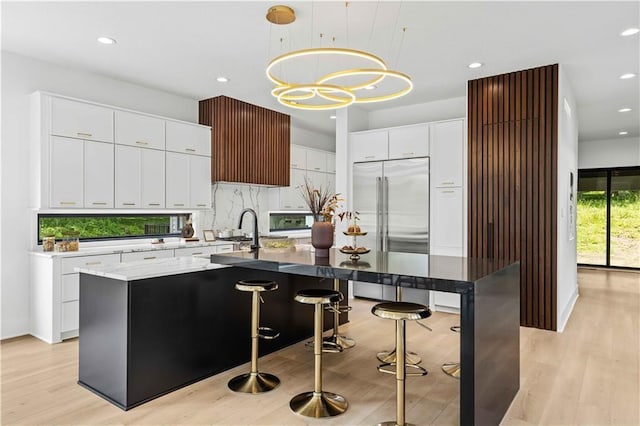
(393, 423)
(324, 404)
(253, 383)
(390, 356)
(452, 369)
(342, 341)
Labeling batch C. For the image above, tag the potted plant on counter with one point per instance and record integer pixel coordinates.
(322, 204)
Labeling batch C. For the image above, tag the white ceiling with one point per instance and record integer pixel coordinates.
(180, 47)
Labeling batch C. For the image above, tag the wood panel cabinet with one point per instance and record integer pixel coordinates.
(139, 130)
(81, 120)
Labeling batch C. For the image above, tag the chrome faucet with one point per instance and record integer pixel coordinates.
(254, 245)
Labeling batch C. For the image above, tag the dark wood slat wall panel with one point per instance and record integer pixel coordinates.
(249, 143)
(512, 174)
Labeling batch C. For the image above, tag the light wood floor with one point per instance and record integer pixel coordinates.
(587, 375)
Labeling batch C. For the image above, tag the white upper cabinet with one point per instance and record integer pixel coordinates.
(152, 178)
(81, 120)
(98, 174)
(139, 130)
(67, 166)
(316, 161)
(298, 157)
(200, 182)
(331, 162)
(447, 153)
(177, 180)
(127, 177)
(370, 146)
(290, 197)
(188, 138)
(409, 142)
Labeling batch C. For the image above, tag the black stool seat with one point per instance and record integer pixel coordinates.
(401, 311)
(320, 296)
(256, 285)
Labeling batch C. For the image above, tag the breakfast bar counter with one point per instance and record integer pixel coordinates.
(489, 290)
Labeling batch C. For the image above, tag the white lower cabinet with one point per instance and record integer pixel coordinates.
(447, 222)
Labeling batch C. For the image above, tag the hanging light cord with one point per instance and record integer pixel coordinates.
(404, 31)
(373, 24)
(395, 26)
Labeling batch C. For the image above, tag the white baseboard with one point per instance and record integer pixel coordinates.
(566, 312)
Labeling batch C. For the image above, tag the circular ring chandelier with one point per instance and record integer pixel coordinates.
(381, 73)
(286, 96)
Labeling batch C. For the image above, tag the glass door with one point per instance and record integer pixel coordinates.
(608, 217)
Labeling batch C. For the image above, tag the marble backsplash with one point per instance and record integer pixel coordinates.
(228, 200)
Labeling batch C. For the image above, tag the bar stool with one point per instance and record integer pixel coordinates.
(318, 403)
(400, 312)
(411, 358)
(452, 368)
(255, 382)
(337, 342)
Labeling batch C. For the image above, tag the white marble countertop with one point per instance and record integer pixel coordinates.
(139, 270)
(127, 248)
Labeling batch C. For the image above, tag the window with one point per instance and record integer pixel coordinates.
(96, 227)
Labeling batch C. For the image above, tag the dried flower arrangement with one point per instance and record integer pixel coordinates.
(320, 201)
(353, 217)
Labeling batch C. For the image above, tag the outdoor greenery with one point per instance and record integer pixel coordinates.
(92, 227)
(625, 227)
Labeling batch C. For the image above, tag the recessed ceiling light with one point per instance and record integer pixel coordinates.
(106, 40)
(373, 86)
(623, 133)
(627, 76)
(629, 31)
(624, 110)
(333, 117)
(222, 79)
(475, 65)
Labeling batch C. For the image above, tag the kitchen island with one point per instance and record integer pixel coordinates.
(489, 290)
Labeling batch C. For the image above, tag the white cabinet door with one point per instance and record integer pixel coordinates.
(67, 164)
(200, 181)
(70, 287)
(290, 198)
(330, 178)
(152, 178)
(318, 179)
(224, 248)
(447, 153)
(446, 222)
(316, 161)
(298, 157)
(146, 255)
(331, 162)
(188, 138)
(70, 316)
(139, 130)
(98, 174)
(127, 177)
(81, 120)
(177, 180)
(409, 142)
(370, 146)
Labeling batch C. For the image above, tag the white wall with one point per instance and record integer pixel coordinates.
(419, 113)
(20, 77)
(308, 138)
(567, 274)
(619, 152)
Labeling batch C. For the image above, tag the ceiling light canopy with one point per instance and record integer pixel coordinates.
(106, 40)
(332, 117)
(623, 133)
(624, 110)
(627, 76)
(346, 72)
(629, 32)
(222, 79)
(475, 65)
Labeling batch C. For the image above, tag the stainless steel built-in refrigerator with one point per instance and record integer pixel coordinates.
(392, 198)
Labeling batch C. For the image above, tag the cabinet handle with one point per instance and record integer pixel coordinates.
(408, 153)
(149, 258)
(142, 143)
(294, 165)
(154, 204)
(201, 205)
(92, 263)
(193, 254)
(99, 204)
(447, 183)
(369, 157)
(316, 168)
(190, 149)
(448, 192)
(178, 205)
(84, 134)
(67, 203)
(128, 204)
(287, 207)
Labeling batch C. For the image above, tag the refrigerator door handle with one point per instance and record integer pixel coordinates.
(386, 213)
(379, 213)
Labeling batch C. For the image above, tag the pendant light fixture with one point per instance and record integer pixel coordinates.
(337, 88)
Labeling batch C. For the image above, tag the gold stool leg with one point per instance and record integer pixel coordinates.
(400, 377)
(318, 404)
(335, 341)
(254, 382)
(452, 368)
